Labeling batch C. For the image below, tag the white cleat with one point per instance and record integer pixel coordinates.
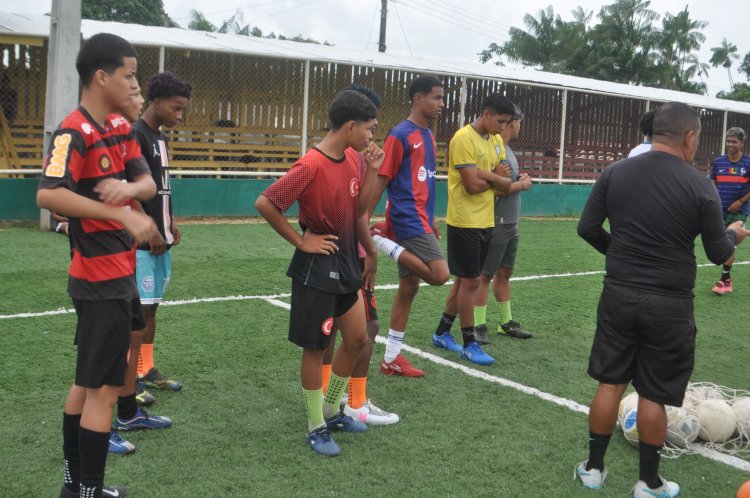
(592, 479)
(668, 489)
(371, 414)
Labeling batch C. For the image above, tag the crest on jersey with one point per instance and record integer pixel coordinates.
(105, 163)
(354, 187)
(87, 129)
(327, 326)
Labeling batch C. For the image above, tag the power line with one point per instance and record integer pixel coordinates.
(372, 23)
(475, 28)
(398, 17)
(229, 10)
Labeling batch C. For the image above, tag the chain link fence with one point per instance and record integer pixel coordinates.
(253, 116)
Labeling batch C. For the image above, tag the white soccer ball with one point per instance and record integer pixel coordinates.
(630, 426)
(683, 426)
(627, 403)
(741, 409)
(717, 420)
(700, 394)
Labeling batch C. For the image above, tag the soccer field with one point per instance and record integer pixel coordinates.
(239, 423)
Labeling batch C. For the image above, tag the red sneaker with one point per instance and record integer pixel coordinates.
(400, 366)
(381, 228)
(721, 288)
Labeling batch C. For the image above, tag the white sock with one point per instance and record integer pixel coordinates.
(387, 247)
(393, 346)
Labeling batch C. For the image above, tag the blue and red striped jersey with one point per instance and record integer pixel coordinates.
(409, 166)
(731, 180)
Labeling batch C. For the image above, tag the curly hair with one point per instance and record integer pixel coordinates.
(167, 85)
(349, 105)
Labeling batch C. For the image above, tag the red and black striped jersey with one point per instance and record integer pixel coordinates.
(81, 154)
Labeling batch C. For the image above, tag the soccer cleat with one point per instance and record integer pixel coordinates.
(480, 335)
(371, 414)
(320, 441)
(668, 489)
(344, 423)
(143, 420)
(513, 329)
(380, 228)
(592, 479)
(114, 491)
(475, 354)
(155, 379)
(119, 446)
(721, 287)
(446, 341)
(344, 399)
(400, 366)
(143, 397)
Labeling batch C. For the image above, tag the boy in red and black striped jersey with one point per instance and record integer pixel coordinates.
(325, 272)
(92, 174)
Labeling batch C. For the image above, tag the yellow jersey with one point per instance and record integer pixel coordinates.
(469, 149)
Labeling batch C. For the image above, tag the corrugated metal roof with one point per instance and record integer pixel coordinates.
(38, 26)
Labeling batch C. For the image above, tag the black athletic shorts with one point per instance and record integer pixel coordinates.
(467, 250)
(312, 314)
(645, 338)
(103, 340)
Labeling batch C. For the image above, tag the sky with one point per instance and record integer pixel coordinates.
(434, 28)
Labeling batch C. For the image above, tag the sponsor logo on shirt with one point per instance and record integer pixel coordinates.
(87, 128)
(422, 174)
(327, 326)
(416, 146)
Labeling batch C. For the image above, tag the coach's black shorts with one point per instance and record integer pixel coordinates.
(312, 314)
(467, 250)
(645, 338)
(103, 340)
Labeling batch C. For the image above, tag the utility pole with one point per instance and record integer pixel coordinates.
(383, 16)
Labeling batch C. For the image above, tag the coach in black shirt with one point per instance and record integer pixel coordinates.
(657, 204)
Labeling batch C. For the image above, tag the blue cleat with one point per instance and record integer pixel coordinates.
(475, 354)
(446, 341)
(344, 423)
(143, 420)
(320, 441)
(119, 446)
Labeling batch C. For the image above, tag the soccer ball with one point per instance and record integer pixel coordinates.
(682, 426)
(703, 393)
(717, 420)
(627, 403)
(630, 426)
(741, 409)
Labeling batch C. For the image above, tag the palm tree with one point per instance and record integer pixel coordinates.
(724, 56)
(696, 68)
(536, 45)
(198, 22)
(680, 36)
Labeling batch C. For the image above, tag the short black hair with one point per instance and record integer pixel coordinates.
(497, 103)
(167, 85)
(674, 119)
(349, 105)
(367, 92)
(646, 124)
(103, 51)
(423, 85)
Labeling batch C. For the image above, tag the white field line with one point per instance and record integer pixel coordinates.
(198, 300)
(714, 455)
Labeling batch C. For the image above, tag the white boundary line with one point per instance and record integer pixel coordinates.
(198, 300)
(714, 455)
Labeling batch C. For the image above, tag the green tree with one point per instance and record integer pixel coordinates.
(198, 22)
(678, 38)
(745, 65)
(145, 12)
(724, 55)
(622, 44)
(741, 92)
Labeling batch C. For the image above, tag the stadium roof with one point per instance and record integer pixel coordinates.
(34, 26)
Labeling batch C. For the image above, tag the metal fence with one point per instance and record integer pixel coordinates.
(254, 116)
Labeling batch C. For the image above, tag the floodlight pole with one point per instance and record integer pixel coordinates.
(383, 17)
(62, 79)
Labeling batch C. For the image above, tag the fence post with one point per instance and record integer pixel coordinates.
(463, 101)
(62, 79)
(165, 23)
(724, 134)
(562, 135)
(305, 105)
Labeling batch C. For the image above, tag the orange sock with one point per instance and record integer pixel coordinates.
(145, 359)
(357, 392)
(326, 376)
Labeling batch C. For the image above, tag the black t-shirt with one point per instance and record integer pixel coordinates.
(656, 205)
(327, 191)
(154, 145)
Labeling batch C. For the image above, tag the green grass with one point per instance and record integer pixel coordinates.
(239, 424)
